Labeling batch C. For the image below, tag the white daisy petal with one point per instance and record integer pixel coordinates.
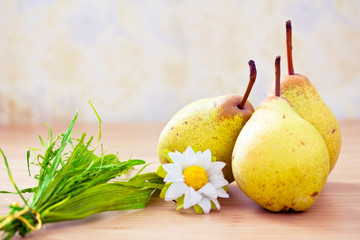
(189, 152)
(176, 190)
(215, 168)
(174, 173)
(208, 190)
(189, 158)
(222, 193)
(203, 159)
(218, 180)
(205, 204)
(174, 178)
(176, 157)
(216, 202)
(191, 198)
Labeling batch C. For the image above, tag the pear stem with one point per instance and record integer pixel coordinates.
(277, 76)
(289, 47)
(252, 78)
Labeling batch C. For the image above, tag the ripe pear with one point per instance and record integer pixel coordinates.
(209, 123)
(310, 106)
(280, 160)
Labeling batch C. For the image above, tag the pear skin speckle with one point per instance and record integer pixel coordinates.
(310, 106)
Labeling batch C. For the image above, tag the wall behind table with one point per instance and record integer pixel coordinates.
(144, 60)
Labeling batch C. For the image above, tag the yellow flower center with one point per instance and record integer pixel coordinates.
(195, 177)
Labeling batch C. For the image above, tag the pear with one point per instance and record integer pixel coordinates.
(280, 160)
(309, 105)
(209, 123)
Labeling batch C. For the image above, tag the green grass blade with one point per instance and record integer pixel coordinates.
(25, 190)
(11, 178)
(99, 119)
(64, 142)
(28, 161)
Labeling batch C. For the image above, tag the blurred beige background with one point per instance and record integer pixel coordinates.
(144, 60)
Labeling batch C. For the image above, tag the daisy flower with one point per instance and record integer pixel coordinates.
(193, 179)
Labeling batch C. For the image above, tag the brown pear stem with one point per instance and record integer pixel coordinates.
(289, 47)
(277, 76)
(252, 78)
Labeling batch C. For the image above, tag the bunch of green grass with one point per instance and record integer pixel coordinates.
(73, 185)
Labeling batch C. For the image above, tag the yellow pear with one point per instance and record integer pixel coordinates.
(210, 123)
(310, 106)
(280, 160)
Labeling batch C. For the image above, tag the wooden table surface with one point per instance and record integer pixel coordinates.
(335, 215)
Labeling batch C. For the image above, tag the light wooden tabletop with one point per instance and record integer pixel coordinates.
(335, 215)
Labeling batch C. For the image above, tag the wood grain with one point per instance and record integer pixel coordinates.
(335, 215)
